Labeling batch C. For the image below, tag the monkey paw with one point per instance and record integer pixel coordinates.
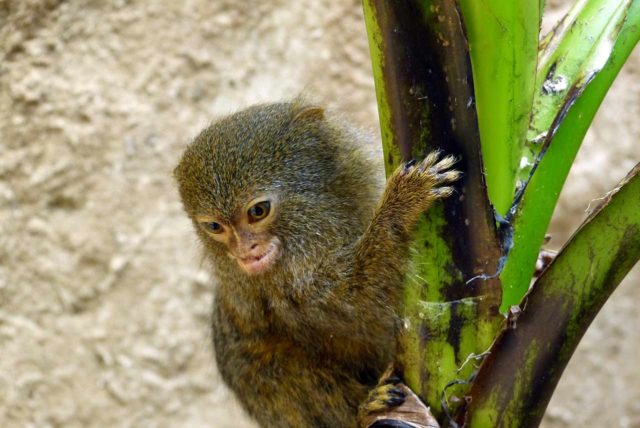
(392, 404)
(383, 397)
(435, 174)
(414, 186)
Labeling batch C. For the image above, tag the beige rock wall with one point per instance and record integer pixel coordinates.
(104, 299)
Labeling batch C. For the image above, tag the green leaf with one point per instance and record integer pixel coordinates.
(503, 43)
(530, 216)
(572, 54)
(515, 383)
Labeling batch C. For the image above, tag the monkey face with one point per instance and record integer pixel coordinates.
(246, 234)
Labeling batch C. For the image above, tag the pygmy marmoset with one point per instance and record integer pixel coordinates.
(309, 258)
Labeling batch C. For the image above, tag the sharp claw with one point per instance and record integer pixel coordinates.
(408, 165)
(448, 176)
(430, 159)
(397, 392)
(446, 163)
(442, 192)
(392, 380)
(394, 402)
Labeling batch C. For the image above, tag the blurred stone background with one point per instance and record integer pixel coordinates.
(104, 299)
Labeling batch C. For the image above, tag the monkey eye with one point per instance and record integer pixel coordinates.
(259, 211)
(212, 226)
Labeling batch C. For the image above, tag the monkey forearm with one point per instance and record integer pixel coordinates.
(367, 298)
(382, 251)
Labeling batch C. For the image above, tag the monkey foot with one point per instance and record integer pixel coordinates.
(383, 397)
(392, 404)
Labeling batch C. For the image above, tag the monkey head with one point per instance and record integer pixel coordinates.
(275, 184)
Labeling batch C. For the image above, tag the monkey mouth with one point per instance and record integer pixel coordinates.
(256, 264)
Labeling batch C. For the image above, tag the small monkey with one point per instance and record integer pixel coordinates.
(310, 260)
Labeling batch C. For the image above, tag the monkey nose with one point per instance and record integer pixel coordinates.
(251, 250)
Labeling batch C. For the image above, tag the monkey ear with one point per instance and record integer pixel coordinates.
(309, 113)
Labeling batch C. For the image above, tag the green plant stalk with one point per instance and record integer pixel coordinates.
(516, 381)
(503, 44)
(531, 215)
(422, 74)
(390, 148)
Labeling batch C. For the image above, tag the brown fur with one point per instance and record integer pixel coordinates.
(302, 343)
